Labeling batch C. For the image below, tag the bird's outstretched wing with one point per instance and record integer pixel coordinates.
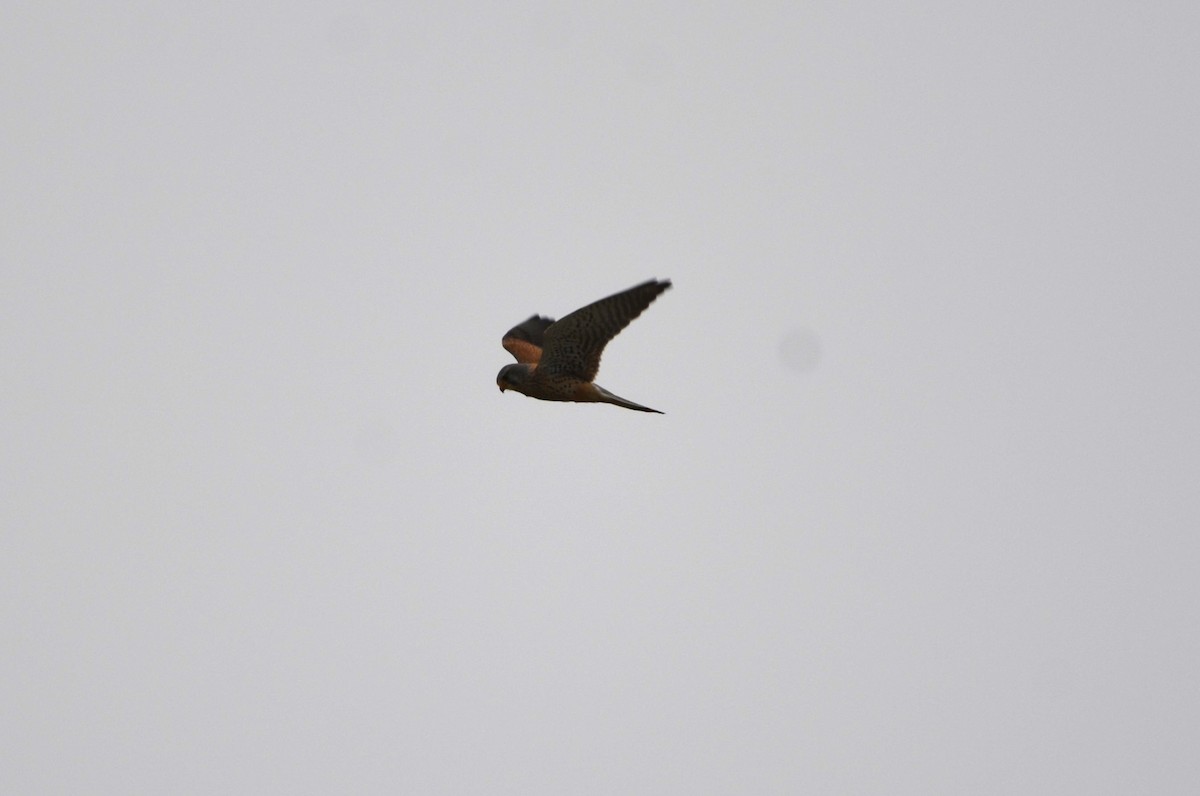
(573, 345)
(524, 341)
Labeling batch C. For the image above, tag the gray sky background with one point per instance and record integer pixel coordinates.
(921, 516)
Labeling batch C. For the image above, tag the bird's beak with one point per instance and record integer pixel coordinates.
(501, 386)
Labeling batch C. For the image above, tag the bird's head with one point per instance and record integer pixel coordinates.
(513, 377)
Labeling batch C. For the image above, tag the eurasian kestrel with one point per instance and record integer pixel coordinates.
(557, 360)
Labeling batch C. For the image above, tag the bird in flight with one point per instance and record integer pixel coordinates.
(557, 360)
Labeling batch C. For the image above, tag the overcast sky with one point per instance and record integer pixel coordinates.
(921, 516)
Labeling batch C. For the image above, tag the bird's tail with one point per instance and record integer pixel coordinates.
(604, 396)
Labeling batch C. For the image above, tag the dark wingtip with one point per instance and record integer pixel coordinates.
(532, 330)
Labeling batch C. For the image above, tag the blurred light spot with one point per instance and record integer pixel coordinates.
(800, 350)
(348, 34)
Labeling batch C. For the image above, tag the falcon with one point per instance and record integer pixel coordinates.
(557, 360)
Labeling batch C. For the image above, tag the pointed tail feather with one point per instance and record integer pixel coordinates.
(607, 397)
